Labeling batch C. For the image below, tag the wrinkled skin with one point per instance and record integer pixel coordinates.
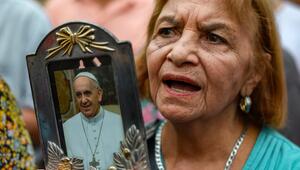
(88, 96)
(199, 61)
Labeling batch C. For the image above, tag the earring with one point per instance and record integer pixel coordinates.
(245, 104)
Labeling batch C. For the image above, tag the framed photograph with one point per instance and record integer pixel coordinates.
(86, 100)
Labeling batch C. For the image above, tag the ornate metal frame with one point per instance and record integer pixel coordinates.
(63, 47)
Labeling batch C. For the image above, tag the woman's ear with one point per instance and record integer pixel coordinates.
(255, 76)
(250, 84)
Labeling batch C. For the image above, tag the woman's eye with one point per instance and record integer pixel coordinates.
(215, 39)
(166, 32)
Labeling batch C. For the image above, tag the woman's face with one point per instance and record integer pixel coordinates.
(199, 60)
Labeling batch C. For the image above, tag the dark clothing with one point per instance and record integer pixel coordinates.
(151, 130)
(151, 152)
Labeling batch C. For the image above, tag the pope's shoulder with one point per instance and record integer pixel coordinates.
(72, 120)
(112, 116)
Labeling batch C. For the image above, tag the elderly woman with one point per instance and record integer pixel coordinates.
(214, 70)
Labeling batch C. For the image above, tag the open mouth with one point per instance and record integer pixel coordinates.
(182, 86)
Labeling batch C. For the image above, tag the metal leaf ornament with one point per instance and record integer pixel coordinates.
(84, 37)
(58, 161)
(132, 154)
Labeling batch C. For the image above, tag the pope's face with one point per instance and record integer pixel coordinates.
(199, 58)
(88, 96)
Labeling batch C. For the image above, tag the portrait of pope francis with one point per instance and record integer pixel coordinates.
(94, 133)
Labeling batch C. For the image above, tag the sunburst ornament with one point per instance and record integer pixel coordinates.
(84, 37)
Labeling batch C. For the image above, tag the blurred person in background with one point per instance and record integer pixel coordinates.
(288, 30)
(15, 145)
(287, 16)
(292, 126)
(23, 25)
(126, 19)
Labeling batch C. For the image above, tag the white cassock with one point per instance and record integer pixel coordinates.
(81, 137)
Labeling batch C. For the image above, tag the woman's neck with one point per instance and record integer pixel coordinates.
(205, 143)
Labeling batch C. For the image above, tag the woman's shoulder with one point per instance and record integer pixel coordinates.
(273, 151)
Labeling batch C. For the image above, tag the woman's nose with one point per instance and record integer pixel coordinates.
(184, 51)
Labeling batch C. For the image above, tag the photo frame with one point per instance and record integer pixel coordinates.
(74, 60)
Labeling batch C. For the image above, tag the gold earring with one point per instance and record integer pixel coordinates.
(245, 104)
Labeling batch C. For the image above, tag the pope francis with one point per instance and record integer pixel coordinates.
(93, 134)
